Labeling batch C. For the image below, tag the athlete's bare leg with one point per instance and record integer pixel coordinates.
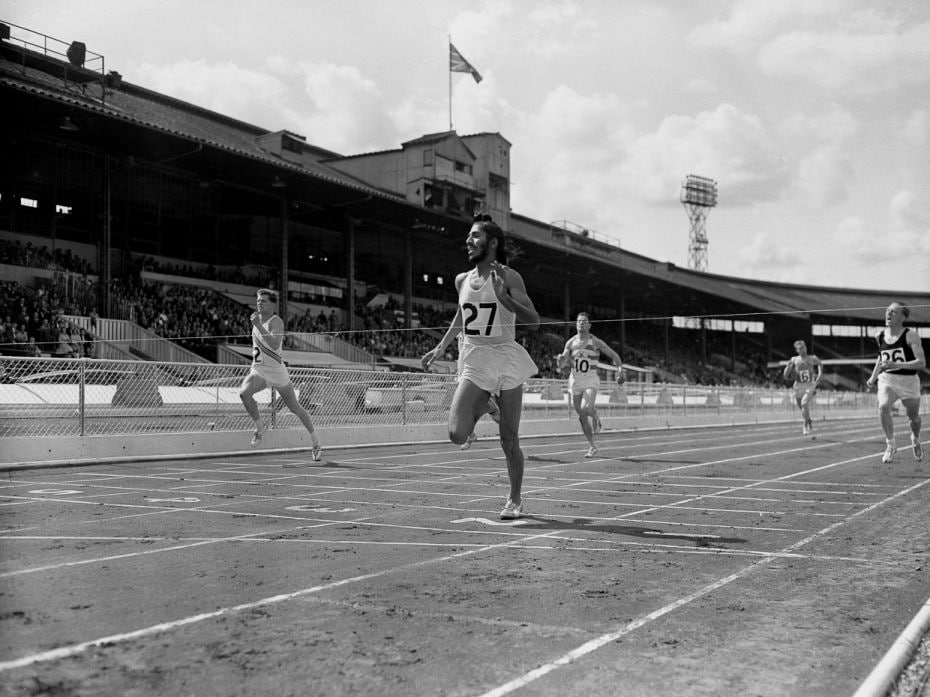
(289, 395)
(252, 385)
(469, 403)
(510, 403)
(581, 408)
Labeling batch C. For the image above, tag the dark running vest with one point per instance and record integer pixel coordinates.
(897, 352)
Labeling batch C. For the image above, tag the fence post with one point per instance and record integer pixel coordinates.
(274, 412)
(403, 399)
(81, 397)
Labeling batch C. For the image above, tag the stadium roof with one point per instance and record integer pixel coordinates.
(211, 144)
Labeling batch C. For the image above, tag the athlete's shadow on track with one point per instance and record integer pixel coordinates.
(323, 464)
(583, 524)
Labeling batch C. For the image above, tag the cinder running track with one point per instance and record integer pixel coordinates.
(715, 561)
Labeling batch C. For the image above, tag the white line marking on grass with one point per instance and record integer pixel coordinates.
(610, 637)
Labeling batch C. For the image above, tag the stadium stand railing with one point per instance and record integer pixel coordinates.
(126, 333)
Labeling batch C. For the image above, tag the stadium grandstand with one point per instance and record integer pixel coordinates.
(137, 226)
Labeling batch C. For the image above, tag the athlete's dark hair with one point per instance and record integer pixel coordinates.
(905, 310)
(272, 294)
(493, 231)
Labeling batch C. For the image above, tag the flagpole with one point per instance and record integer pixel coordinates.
(449, 53)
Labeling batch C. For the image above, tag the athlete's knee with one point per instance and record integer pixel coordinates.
(457, 436)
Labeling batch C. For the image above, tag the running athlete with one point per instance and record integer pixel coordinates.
(806, 369)
(268, 369)
(582, 353)
(900, 357)
(492, 299)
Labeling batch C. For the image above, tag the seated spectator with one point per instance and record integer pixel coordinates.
(64, 349)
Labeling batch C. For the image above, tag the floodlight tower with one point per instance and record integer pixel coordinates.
(698, 195)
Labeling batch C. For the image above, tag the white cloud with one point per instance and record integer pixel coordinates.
(861, 58)
(904, 237)
(726, 144)
(753, 20)
(764, 253)
(343, 101)
(917, 128)
(248, 95)
(825, 175)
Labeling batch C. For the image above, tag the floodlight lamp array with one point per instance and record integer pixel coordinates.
(699, 191)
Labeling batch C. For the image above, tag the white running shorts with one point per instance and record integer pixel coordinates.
(496, 367)
(273, 375)
(893, 387)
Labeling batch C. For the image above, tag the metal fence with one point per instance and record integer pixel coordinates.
(54, 397)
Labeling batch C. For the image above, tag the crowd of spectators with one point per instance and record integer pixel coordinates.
(16, 253)
(32, 323)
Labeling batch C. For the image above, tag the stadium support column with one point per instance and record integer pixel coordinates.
(350, 272)
(567, 304)
(622, 322)
(104, 300)
(285, 241)
(408, 281)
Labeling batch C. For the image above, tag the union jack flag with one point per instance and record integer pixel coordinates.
(458, 64)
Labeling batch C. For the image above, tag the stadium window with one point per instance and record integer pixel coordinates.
(427, 157)
(686, 322)
(439, 280)
(28, 202)
(749, 327)
(426, 278)
(62, 210)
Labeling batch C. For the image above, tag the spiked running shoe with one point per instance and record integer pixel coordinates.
(890, 450)
(592, 452)
(918, 449)
(468, 441)
(316, 454)
(259, 432)
(512, 510)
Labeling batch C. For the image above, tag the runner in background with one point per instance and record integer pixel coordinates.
(581, 354)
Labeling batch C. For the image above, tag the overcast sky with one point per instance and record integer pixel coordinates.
(812, 115)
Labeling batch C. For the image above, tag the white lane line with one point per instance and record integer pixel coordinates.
(74, 649)
(604, 639)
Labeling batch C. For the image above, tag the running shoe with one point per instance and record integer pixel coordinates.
(493, 410)
(468, 441)
(316, 454)
(890, 450)
(259, 432)
(512, 510)
(805, 429)
(592, 452)
(918, 449)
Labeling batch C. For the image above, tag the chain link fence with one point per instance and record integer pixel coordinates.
(47, 398)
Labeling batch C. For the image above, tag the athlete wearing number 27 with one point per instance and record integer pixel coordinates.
(492, 299)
